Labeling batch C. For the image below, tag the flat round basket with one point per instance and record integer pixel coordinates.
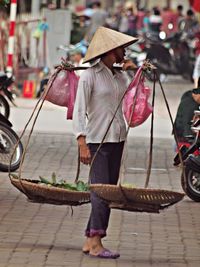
(41, 193)
(136, 199)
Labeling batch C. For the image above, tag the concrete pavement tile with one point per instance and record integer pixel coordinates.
(87, 264)
(89, 261)
(180, 265)
(127, 253)
(124, 263)
(16, 260)
(5, 254)
(176, 259)
(143, 239)
(108, 263)
(3, 261)
(192, 264)
(176, 254)
(159, 264)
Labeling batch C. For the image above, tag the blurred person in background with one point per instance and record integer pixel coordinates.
(80, 27)
(167, 21)
(112, 21)
(146, 21)
(123, 24)
(140, 19)
(132, 20)
(76, 58)
(178, 16)
(188, 23)
(119, 10)
(155, 22)
(98, 18)
(190, 101)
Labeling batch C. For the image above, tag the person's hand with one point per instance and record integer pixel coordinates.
(85, 156)
(128, 65)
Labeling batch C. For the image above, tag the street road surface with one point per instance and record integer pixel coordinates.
(42, 235)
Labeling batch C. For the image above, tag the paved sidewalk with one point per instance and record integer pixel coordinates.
(35, 235)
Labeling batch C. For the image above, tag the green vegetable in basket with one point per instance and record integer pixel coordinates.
(53, 178)
(14, 176)
(44, 180)
(68, 186)
(81, 186)
(129, 185)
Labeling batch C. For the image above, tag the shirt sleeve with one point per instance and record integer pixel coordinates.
(80, 108)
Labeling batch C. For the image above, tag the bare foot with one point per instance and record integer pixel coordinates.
(93, 245)
(86, 246)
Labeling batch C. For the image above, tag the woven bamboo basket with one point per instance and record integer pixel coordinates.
(42, 193)
(136, 199)
(35, 190)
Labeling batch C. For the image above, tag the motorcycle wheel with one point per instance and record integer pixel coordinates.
(4, 107)
(10, 139)
(192, 184)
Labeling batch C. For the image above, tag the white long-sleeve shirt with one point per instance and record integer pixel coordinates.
(98, 95)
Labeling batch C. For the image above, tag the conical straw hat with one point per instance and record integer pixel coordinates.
(105, 40)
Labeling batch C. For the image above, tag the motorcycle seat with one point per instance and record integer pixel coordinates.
(3, 77)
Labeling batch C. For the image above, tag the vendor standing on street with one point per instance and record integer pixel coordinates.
(99, 92)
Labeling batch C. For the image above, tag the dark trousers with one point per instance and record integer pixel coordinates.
(105, 170)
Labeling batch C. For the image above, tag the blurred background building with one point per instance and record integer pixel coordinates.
(43, 25)
(34, 6)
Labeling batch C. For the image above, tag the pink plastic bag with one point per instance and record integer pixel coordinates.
(142, 108)
(63, 90)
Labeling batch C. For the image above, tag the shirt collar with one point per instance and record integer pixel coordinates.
(99, 66)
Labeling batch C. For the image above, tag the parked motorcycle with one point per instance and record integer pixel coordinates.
(8, 141)
(6, 95)
(190, 178)
(172, 56)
